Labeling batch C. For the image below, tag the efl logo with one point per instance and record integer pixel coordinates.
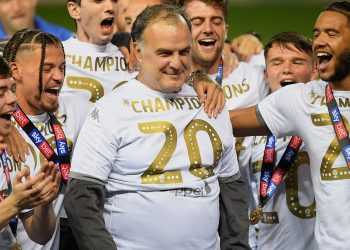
(329, 95)
(269, 155)
(20, 117)
(295, 142)
(340, 130)
(58, 132)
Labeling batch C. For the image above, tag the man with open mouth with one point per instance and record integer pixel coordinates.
(289, 60)
(244, 87)
(319, 113)
(24, 193)
(95, 66)
(48, 122)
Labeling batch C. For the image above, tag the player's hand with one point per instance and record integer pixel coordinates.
(31, 192)
(209, 93)
(245, 46)
(17, 146)
(230, 62)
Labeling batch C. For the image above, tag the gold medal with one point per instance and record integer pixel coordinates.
(16, 246)
(255, 216)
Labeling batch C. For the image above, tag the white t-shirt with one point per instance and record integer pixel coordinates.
(301, 110)
(93, 70)
(148, 147)
(289, 217)
(71, 114)
(245, 87)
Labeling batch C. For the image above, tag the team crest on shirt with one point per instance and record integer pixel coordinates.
(94, 114)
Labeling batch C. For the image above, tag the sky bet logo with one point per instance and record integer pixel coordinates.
(61, 140)
(20, 117)
(40, 142)
(346, 152)
(270, 142)
(338, 124)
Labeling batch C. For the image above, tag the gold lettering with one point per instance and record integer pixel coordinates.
(227, 91)
(88, 63)
(171, 103)
(147, 106)
(122, 64)
(345, 104)
(100, 63)
(77, 60)
(246, 87)
(181, 102)
(237, 90)
(133, 105)
(195, 102)
(110, 63)
(315, 99)
(189, 104)
(159, 105)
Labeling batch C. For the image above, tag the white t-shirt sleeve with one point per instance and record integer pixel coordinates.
(280, 110)
(96, 148)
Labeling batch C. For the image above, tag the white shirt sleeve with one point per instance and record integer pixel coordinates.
(280, 110)
(96, 148)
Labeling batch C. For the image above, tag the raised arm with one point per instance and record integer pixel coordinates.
(40, 225)
(248, 122)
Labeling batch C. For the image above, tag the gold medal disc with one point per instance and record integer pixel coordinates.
(255, 216)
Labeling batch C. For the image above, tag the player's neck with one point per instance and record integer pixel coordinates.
(209, 69)
(343, 85)
(27, 108)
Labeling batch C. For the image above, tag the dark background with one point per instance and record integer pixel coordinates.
(267, 19)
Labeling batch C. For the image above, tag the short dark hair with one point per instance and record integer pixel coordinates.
(286, 39)
(342, 7)
(223, 4)
(5, 70)
(160, 11)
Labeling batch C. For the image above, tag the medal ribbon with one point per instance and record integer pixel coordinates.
(338, 124)
(62, 159)
(271, 178)
(14, 221)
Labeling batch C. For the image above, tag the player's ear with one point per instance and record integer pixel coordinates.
(73, 10)
(16, 71)
(138, 50)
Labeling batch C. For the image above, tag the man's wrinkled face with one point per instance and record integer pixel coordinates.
(165, 56)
